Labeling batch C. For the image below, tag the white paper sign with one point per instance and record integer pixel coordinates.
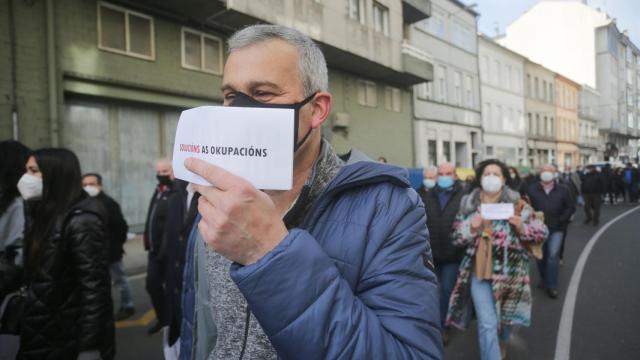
(496, 211)
(256, 144)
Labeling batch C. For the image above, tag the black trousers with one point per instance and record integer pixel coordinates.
(592, 203)
(155, 285)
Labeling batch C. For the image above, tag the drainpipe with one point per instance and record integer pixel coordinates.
(52, 75)
(14, 73)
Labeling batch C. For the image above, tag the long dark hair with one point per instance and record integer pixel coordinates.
(13, 157)
(480, 170)
(61, 188)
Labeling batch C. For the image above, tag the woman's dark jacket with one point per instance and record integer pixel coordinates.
(68, 308)
(440, 223)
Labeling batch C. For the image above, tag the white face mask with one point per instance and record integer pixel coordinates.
(546, 176)
(92, 190)
(491, 184)
(428, 183)
(30, 187)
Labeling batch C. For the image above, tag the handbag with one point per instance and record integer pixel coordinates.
(534, 250)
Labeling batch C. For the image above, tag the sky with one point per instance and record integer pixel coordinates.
(500, 13)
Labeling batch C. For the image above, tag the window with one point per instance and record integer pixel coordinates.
(124, 31)
(497, 122)
(486, 76)
(507, 75)
(446, 150)
(545, 130)
(441, 83)
(550, 99)
(486, 114)
(536, 89)
(529, 85)
(463, 36)
(457, 88)
(539, 128)
(629, 76)
(544, 90)
(531, 124)
(432, 153)
(510, 123)
(551, 127)
(367, 93)
(489, 150)
(201, 51)
(497, 77)
(468, 90)
(434, 24)
(380, 18)
(355, 10)
(392, 99)
(425, 91)
(630, 119)
(520, 121)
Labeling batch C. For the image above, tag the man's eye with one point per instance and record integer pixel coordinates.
(229, 96)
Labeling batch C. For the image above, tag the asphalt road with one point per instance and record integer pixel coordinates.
(607, 305)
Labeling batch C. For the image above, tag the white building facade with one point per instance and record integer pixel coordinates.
(502, 95)
(584, 44)
(447, 110)
(588, 136)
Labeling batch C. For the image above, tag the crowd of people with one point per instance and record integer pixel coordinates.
(349, 263)
(487, 262)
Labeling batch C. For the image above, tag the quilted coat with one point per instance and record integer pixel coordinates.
(351, 282)
(68, 308)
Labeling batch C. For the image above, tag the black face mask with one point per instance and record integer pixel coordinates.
(244, 100)
(163, 179)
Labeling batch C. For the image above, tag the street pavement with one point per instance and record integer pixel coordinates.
(607, 303)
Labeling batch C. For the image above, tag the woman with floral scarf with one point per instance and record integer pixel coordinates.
(494, 273)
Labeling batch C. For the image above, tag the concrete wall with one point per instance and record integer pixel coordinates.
(373, 130)
(31, 73)
(566, 95)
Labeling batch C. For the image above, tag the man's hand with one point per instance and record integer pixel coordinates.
(239, 221)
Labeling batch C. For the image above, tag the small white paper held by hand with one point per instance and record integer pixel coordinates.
(255, 144)
(496, 211)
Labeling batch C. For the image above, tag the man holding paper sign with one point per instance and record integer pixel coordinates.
(338, 266)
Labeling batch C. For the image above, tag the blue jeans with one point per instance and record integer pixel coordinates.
(447, 273)
(488, 337)
(549, 266)
(122, 282)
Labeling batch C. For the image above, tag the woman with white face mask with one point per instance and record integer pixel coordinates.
(67, 304)
(495, 270)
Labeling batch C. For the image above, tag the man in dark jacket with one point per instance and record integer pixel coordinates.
(155, 242)
(442, 204)
(182, 209)
(336, 267)
(593, 187)
(554, 200)
(116, 229)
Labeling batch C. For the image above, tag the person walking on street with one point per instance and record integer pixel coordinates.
(339, 266)
(68, 311)
(442, 204)
(554, 200)
(429, 179)
(630, 179)
(116, 235)
(494, 272)
(13, 156)
(155, 243)
(593, 188)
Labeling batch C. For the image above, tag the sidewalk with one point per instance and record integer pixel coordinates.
(135, 257)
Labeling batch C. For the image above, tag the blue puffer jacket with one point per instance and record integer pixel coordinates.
(351, 282)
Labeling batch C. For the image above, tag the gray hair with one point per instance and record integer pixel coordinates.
(312, 67)
(431, 169)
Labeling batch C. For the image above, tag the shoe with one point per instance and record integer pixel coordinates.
(553, 293)
(154, 328)
(124, 313)
(503, 350)
(445, 336)
(586, 222)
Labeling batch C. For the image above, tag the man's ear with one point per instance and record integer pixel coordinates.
(321, 109)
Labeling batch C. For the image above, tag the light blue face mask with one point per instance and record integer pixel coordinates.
(428, 183)
(445, 182)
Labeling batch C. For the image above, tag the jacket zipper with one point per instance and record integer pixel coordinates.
(246, 332)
